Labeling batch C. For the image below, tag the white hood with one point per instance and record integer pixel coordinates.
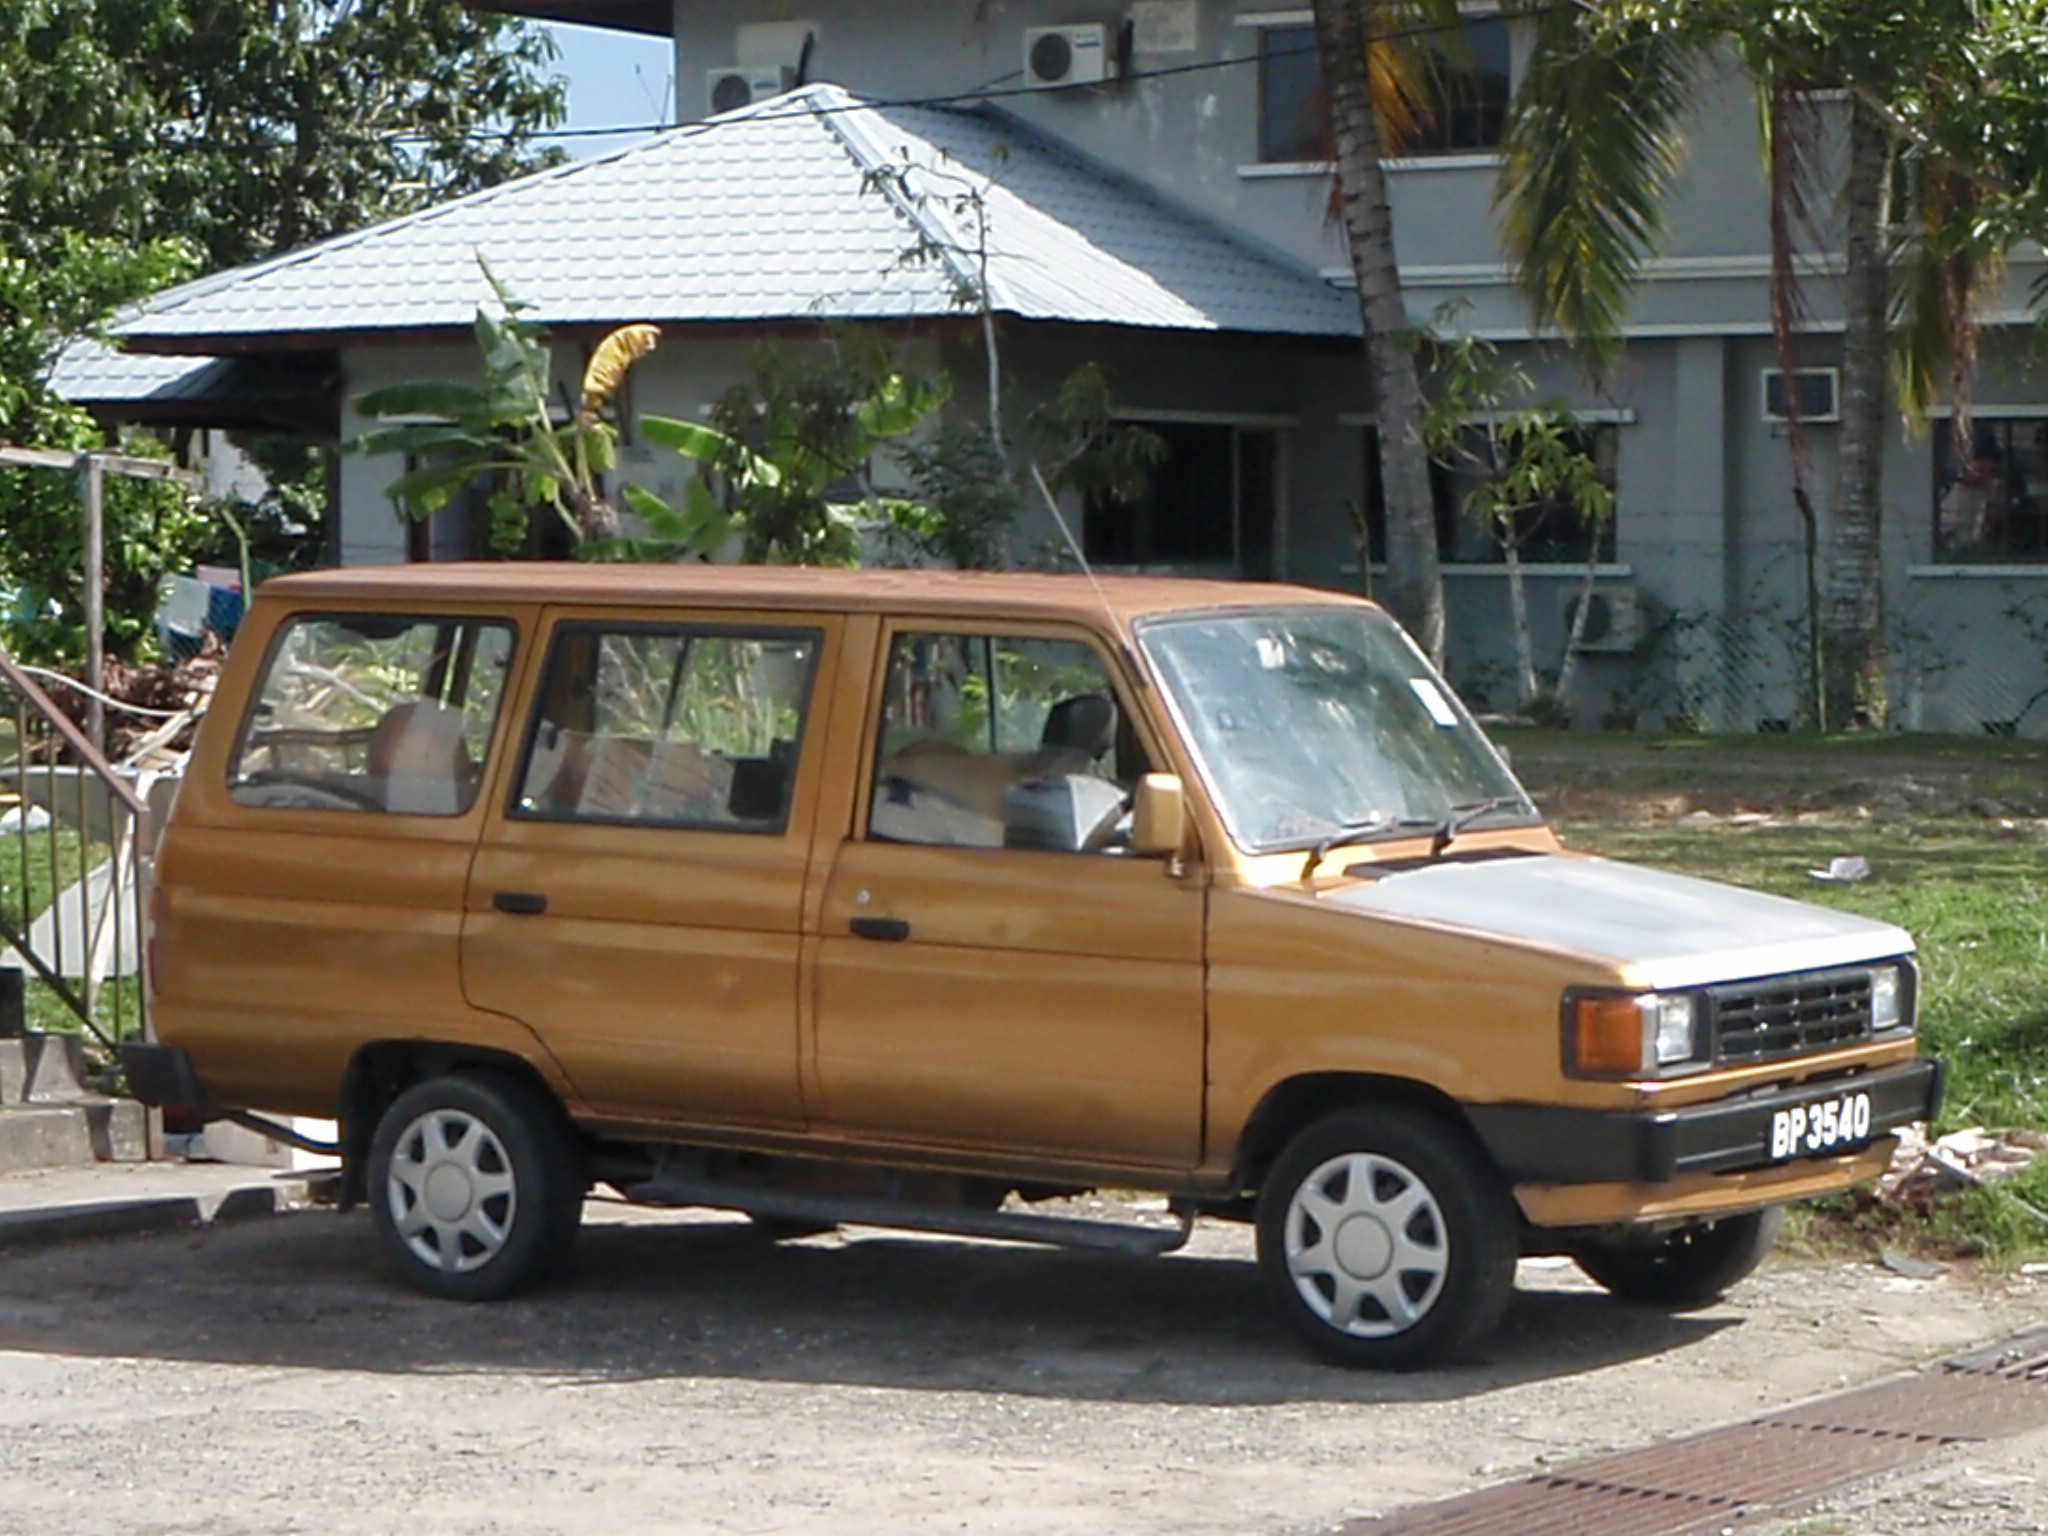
(1665, 930)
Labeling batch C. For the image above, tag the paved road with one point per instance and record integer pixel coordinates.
(268, 1377)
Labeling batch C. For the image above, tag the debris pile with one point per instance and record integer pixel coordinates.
(1924, 1172)
(150, 710)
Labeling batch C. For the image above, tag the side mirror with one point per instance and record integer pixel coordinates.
(1159, 816)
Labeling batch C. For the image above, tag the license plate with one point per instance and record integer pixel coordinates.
(1807, 1130)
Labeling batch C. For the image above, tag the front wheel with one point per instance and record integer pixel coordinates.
(475, 1187)
(1385, 1238)
(1689, 1267)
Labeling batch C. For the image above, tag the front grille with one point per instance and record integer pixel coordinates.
(1789, 1015)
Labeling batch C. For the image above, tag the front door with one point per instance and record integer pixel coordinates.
(994, 970)
(637, 899)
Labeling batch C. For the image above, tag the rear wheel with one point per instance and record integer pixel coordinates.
(1386, 1239)
(475, 1187)
(1690, 1267)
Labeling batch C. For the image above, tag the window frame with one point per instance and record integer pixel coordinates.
(1427, 149)
(508, 689)
(1944, 555)
(1450, 515)
(1122, 692)
(514, 810)
(1274, 428)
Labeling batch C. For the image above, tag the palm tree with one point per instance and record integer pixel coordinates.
(1374, 55)
(1593, 148)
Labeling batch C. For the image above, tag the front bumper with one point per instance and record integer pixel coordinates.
(1548, 1144)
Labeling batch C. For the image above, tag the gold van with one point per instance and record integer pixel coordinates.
(919, 898)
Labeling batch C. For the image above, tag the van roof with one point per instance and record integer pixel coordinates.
(1019, 593)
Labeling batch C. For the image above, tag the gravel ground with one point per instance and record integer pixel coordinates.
(269, 1377)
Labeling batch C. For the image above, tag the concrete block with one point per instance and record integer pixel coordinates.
(119, 1130)
(44, 1136)
(36, 1068)
(225, 1142)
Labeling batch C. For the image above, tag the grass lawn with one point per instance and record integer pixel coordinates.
(1956, 834)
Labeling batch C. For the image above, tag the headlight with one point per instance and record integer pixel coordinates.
(1887, 999)
(1633, 1034)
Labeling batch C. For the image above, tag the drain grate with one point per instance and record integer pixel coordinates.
(1744, 1470)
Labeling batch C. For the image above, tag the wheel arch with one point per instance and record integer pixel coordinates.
(1298, 1101)
(383, 1069)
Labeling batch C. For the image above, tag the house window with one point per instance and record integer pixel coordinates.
(462, 529)
(1548, 534)
(1468, 90)
(1211, 507)
(1991, 505)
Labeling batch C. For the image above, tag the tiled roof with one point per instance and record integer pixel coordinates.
(158, 387)
(89, 371)
(787, 209)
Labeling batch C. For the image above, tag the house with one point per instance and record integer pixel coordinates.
(1155, 201)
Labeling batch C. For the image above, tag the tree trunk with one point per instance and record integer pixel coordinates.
(1414, 590)
(1852, 618)
(1518, 608)
(596, 518)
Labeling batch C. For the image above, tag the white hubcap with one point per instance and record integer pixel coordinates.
(451, 1193)
(1366, 1245)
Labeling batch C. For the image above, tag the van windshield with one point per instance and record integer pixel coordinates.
(1324, 725)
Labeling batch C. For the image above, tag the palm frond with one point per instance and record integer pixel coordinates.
(1952, 254)
(1592, 148)
(1792, 150)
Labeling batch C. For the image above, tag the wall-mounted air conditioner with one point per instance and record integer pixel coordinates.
(1071, 55)
(1819, 394)
(733, 86)
(1614, 616)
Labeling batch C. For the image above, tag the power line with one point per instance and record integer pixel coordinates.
(989, 92)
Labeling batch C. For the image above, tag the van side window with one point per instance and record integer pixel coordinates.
(1002, 742)
(670, 727)
(373, 712)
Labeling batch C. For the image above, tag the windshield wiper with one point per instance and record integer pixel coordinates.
(1462, 816)
(1361, 832)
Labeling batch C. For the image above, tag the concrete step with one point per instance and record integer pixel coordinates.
(43, 1069)
(40, 1136)
(92, 1130)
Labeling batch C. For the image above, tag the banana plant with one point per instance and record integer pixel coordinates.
(543, 453)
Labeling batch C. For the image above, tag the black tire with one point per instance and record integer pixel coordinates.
(1454, 1225)
(475, 1187)
(1691, 1267)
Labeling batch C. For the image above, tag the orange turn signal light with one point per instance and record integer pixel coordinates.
(1607, 1036)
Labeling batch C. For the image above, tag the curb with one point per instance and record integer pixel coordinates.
(134, 1218)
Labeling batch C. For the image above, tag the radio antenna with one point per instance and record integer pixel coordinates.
(1115, 627)
(1052, 505)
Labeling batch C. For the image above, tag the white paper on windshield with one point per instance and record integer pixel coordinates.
(1433, 700)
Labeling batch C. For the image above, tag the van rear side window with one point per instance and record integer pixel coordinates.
(669, 727)
(373, 712)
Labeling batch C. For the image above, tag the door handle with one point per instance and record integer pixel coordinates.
(520, 903)
(890, 930)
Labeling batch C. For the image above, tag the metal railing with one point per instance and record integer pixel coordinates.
(77, 836)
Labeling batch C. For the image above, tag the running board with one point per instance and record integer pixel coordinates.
(1007, 1226)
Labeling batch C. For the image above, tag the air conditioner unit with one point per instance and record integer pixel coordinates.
(1072, 55)
(1614, 616)
(741, 85)
(1819, 394)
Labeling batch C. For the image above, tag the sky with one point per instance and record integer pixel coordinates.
(615, 78)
